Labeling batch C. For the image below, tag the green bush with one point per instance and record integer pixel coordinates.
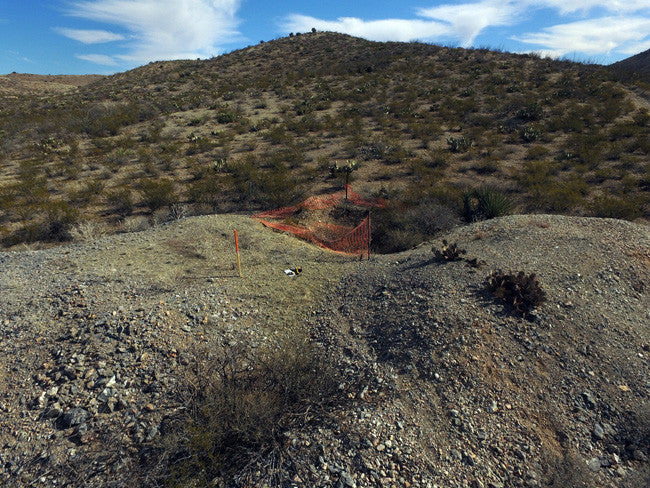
(397, 227)
(59, 219)
(627, 208)
(158, 193)
(208, 190)
(120, 202)
(459, 144)
(225, 117)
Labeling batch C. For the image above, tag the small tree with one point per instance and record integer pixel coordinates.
(344, 171)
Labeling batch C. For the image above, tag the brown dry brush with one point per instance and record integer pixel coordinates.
(239, 401)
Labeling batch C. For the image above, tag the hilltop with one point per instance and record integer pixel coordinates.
(260, 128)
(144, 360)
(22, 84)
(639, 63)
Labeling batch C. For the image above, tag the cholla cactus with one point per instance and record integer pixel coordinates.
(344, 170)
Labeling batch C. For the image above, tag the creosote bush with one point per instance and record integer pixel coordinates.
(523, 292)
(158, 193)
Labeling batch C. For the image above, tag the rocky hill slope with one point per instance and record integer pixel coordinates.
(118, 356)
(261, 127)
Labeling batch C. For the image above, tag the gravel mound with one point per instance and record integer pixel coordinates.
(442, 384)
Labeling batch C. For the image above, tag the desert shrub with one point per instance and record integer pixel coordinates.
(628, 208)
(395, 153)
(291, 155)
(87, 230)
(208, 190)
(485, 203)
(225, 117)
(522, 291)
(486, 166)
(531, 112)
(459, 144)
(87, 194)
(642, 117)
(437, 160)
(158, 193)
(560, 196)
(537, 152)
(7, 200)
(240, 401)
(397, 228)
(277, 135)
(120, 201)
(59, 219)
(102, 121)
(256, 187)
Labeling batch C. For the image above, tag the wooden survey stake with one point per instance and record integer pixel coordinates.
(237, 248)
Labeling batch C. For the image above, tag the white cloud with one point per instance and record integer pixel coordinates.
(166, 29)
(90, 36)
(98, 59)
(467, 20)
(376, 30)
(612, 6)
(622, 26)
(462, 22)
(635, 47)
(592, 37)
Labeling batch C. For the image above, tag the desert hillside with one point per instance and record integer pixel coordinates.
(15, 85)
(143, 359)
(262, 127)
(638, 64)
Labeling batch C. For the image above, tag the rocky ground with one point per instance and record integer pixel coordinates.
(440, 383)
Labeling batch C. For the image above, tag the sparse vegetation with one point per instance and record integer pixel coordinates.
(341, 99)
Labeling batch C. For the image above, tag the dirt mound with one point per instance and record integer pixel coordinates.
(440, 383)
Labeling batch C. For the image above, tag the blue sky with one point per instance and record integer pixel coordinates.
(108, 36)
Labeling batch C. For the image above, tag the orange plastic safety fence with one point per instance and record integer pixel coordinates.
(339, 238)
